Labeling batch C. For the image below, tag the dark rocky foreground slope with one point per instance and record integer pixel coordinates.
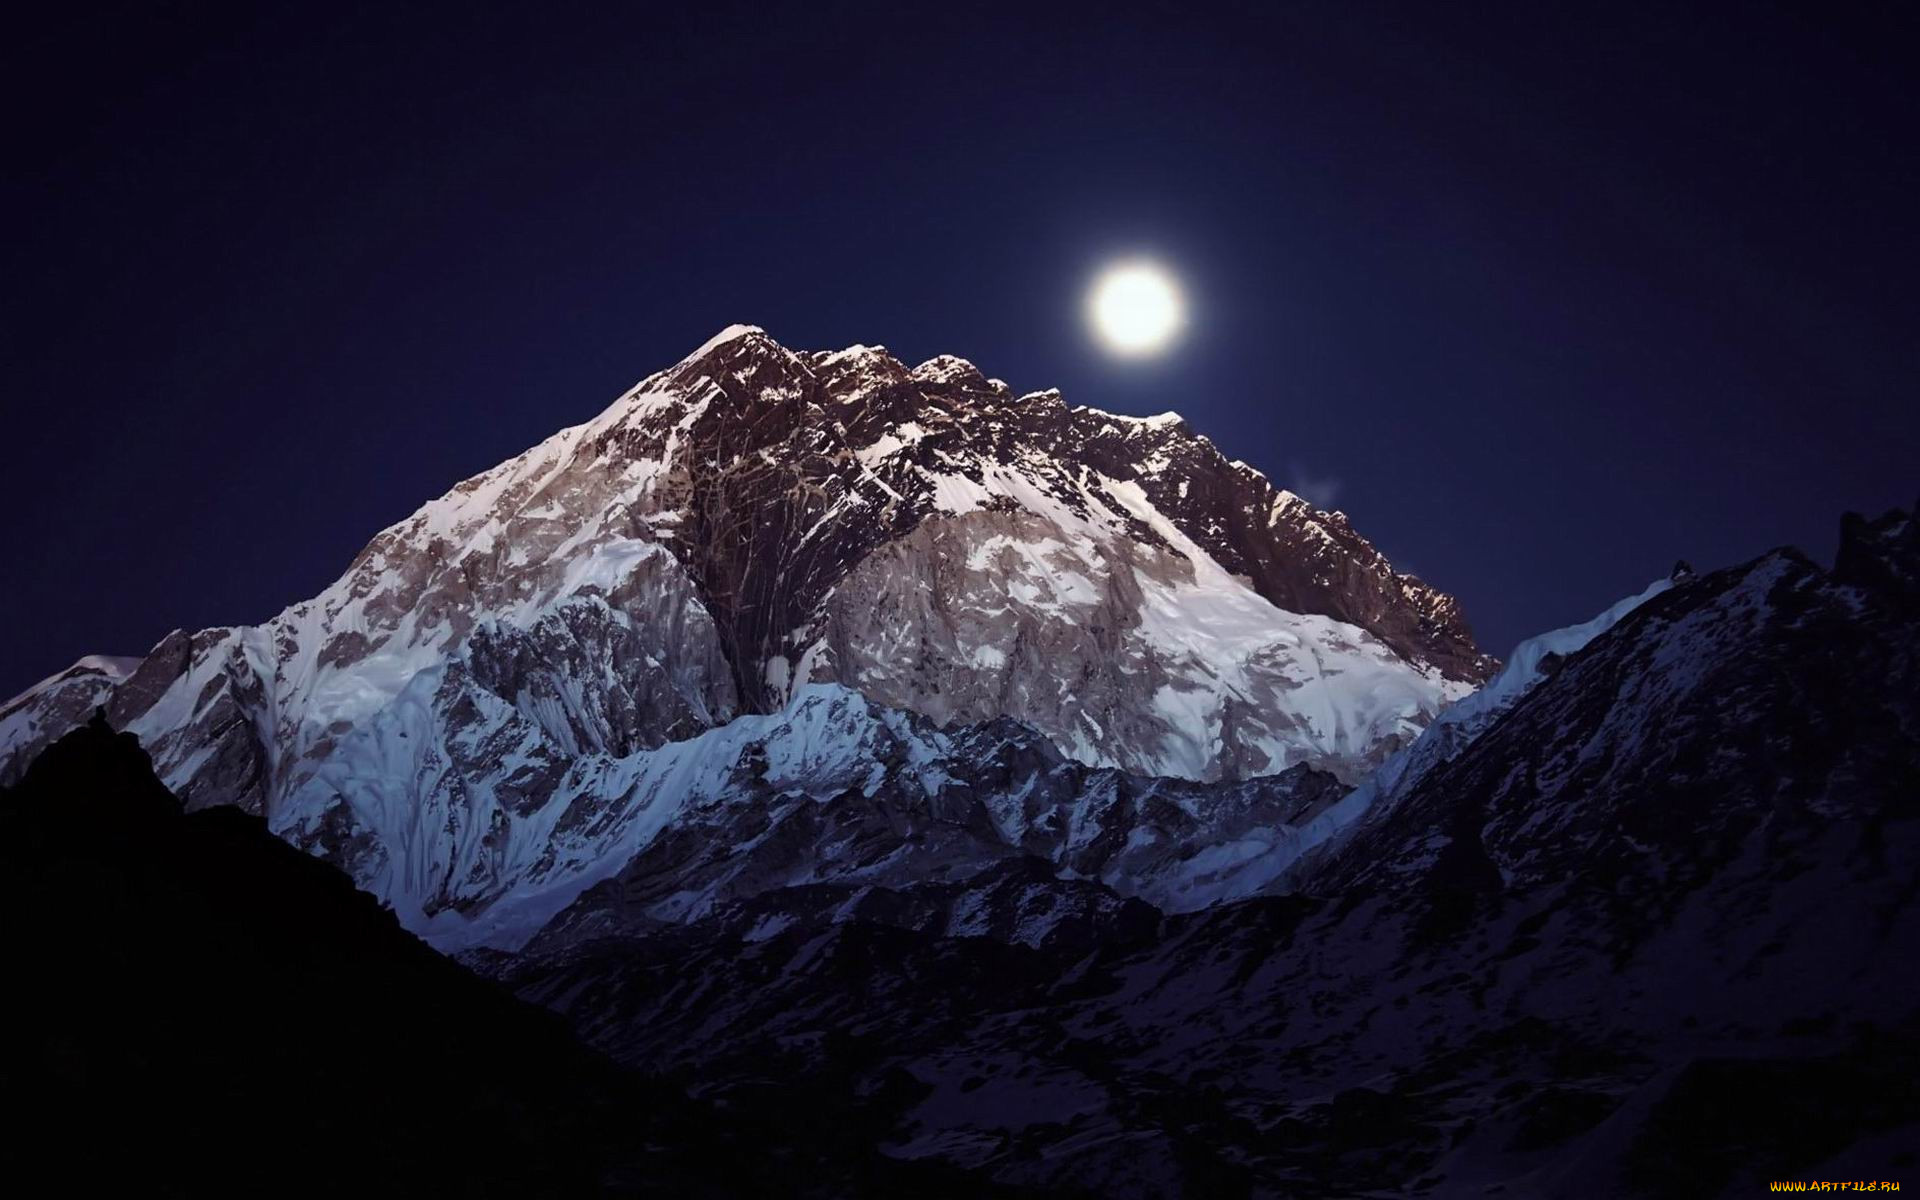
(1652, 933)
(197, 1008)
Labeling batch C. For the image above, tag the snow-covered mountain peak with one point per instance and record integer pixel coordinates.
(743, 359)
(753, 522)
(730, 334)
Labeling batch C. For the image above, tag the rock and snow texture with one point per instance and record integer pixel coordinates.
(1656, 920)
(1176, 667)
(516, 689)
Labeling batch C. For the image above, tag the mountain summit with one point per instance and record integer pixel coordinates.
(762, 574)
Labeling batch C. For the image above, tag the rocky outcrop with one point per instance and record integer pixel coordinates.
(1881, 556)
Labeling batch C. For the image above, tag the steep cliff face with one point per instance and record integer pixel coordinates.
(511, 692)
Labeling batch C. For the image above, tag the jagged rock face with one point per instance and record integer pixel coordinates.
(791, 469)
(488, 703)
(1120, 651)
(1645, 927)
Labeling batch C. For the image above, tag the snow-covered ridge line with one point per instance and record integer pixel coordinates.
(1452, 732)
(110, 667)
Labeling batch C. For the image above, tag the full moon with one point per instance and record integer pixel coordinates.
(1136, 309)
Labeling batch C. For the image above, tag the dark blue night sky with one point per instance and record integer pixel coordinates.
(1543, 300)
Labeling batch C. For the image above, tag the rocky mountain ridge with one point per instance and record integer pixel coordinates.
(750, 573)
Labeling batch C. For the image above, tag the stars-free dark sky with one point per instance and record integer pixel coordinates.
(1543, 299)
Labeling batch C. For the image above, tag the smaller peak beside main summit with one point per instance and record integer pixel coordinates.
(857, 370)
(949, 368)
(1126, 422)
(1162, 420)
(858, 352)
